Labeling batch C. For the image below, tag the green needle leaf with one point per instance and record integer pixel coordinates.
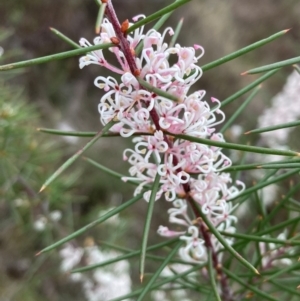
(122, 257)
(92, 224)
(76, 155)
(247, 148)
(262, 184)
(264, 239)
(100, 17)
(229, 248)
(112, 172)
(159, 284)
(85, 134)
(157, 15)
(162, 21)
(67, 133)
(285, 288)
(270, 165)
(277, 65)
(147, 225)
(239, 110)
(277, 208)
(247, 88)
(65, 38)
(283, 271)
(244, 50)
(105, 263)
(212, 277)
(274, 127)
(53, 57)
(260, 293)
(176, 33)
(159, 270)
(279, 166)
(271, 229)
(156, 90)
(126, 250)
(157, 26)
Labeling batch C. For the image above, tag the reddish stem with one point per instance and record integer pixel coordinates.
(112, 17)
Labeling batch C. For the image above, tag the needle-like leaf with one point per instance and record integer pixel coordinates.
(156, 90)
(159, 270)
(176, 33)
(244, 50)
(253, 288)
(112, 172)
(65, 38)
(157, 14)
(239, 110)
(274, 127)
(246, 89)
(76, 156)
(122, 257)
(53, 57)
(226, 246)
(212, 277)
(277, 65)
(241, 147)
(100, 17)
(147, 225)
(101, 219)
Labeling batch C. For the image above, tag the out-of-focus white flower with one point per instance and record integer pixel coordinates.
(21, 202)
(104, 283)
(71, 256)
(55, 215)
(273, 255)
(285, 107)
(40, 223)
(235, 132)
(113, 220)
(269, 193)
(64, 126)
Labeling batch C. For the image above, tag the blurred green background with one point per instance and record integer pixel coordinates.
(60, 95)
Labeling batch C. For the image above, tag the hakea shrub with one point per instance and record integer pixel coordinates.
(189, 172)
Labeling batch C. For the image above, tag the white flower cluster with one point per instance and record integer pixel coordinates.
(102, 283)
(41, 222)
(186, 169)
(283, 109)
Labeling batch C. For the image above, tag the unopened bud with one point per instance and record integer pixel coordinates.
(115, 40)
(125, 26)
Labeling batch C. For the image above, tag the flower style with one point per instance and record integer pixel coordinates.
(186, 169)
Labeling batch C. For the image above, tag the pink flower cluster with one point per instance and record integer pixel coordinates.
(179, 163)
